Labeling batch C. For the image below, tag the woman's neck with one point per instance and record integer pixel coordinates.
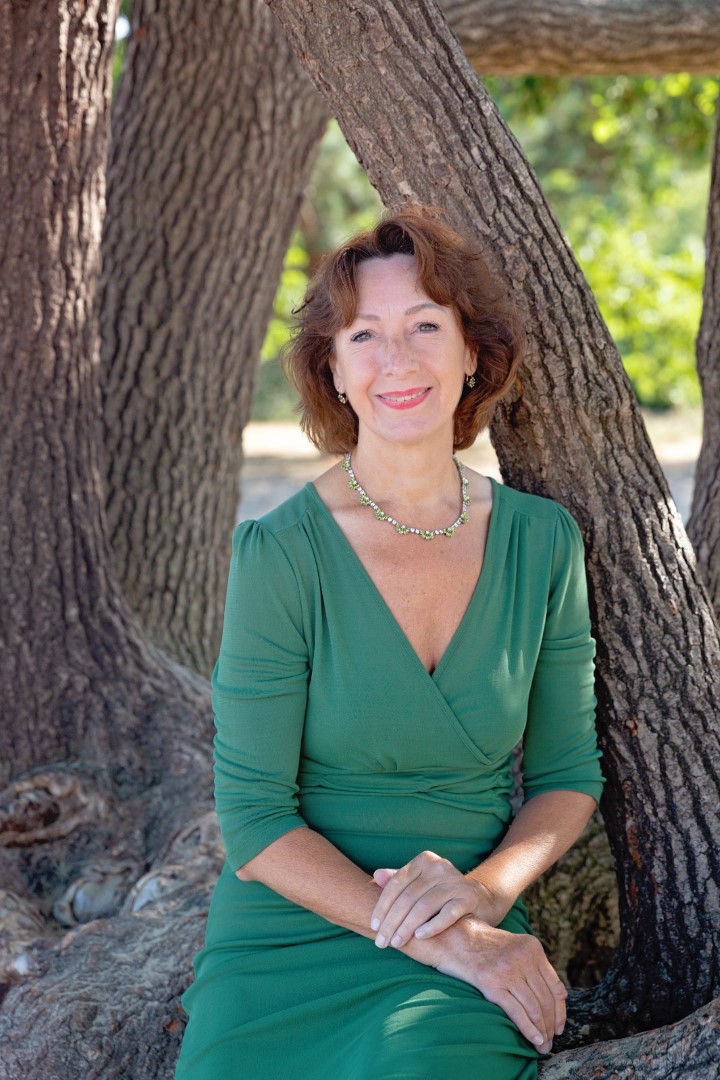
(413, 480)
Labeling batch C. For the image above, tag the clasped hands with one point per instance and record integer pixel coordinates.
(429, 897)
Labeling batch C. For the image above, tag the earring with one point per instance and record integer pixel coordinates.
(342, 399)
(470, 381)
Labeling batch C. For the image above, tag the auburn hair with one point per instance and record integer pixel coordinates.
(452, 272)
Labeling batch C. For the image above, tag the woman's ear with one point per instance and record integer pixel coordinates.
(333, 371)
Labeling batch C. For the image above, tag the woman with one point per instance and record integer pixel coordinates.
(391, 632)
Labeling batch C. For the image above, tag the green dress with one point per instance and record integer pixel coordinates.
(327, 718)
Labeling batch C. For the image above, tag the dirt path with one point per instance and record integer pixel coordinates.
(279, 459)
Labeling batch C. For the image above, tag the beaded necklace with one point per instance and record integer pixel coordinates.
(403, 530)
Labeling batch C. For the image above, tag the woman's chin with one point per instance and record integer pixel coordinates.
(407, 430)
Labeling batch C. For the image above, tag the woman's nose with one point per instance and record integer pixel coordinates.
(398, 355)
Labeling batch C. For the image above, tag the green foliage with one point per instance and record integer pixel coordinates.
(612, 136)
(274, 397)
(650, 299)
(341, 201)
(624, 162)
(293, 282)
(122, 30)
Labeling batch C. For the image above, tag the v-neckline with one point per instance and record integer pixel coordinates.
(479, 589)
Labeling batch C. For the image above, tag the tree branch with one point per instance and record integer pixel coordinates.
(587, 37)
(704, 524)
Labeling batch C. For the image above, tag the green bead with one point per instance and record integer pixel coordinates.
(427, 535)
(451, 530)
(380, 515)
(364, 500)
(352, 483)
(402, 529)
(463, 518)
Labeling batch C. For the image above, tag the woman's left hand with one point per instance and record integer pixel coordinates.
(425, 897)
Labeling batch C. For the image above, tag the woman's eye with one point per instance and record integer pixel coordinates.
(428, 326)
(360, 336)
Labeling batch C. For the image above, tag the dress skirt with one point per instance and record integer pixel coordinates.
(337, 1008)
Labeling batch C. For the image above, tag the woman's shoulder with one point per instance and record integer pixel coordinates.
(279, 533)
(287, 515)
(550, 527)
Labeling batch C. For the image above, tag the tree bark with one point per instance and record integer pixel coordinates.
(587, 37)
(104, 742)
(703, 526)
(105, 1000)
(687, 1049)
(215, 128)
(571, 431)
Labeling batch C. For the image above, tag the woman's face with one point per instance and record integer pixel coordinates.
(402, 361)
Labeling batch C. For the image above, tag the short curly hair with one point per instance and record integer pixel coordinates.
(452, 272)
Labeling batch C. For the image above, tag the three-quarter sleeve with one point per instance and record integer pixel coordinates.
(560, 746)
(259, 696)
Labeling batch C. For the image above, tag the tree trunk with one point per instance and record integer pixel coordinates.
(587, 37)
(215, 128)
(104, 742)
(704, 524)
(571, 431)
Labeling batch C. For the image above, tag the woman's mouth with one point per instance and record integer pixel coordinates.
(405, 399)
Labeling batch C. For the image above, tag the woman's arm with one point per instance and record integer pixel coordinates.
(510, 970)
(306, 868)
(543, 830)
(429, 894)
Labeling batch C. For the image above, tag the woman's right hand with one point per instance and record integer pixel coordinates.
(510, 970)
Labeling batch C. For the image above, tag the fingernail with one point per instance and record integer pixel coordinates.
(396, 940)
(375, 924)
(559, 1030)
(381, 941)
(538, 1040)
